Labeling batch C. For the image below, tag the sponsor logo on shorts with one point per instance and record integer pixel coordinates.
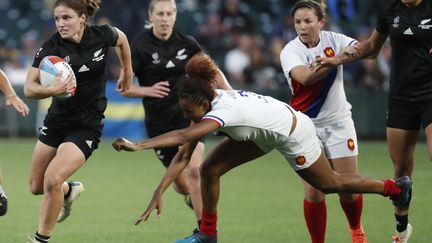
(42, 130)
(89, 143)
(300, 160)
(351, 144)
(159, 154)
(396, 22)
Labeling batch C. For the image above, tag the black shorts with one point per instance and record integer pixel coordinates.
(165, 155)
(85, 138)
(409, 115)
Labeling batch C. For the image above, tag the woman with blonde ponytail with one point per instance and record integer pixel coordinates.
(73, 126)
(159, 56)
(319, 93)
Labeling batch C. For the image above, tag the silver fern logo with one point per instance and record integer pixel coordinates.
(155, 57)
(396, 22)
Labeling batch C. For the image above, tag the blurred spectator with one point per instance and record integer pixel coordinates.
(235, 18)
(29, 46)
(285, 28)
(4, 54)
(218, 25)
(15, 70)
(213, 38)
(237, 59)
(343, 14)
(341, 9)
(367, 73)
(276, 46)
(260, 74)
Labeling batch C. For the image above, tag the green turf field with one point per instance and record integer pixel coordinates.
(260, 201)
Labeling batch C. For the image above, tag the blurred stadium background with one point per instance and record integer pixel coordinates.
(261, 202)
(244, 37)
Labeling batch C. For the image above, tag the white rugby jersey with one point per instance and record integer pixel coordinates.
(246, 116)
(324, 101)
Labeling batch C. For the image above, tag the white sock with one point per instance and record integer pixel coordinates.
(1, 190)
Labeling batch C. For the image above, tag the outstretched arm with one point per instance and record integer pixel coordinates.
(178, 164)
(365, 49)
(169, 139)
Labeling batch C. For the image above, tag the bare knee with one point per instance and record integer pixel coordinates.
(194, 173)
(313, 195)
(208, 172)
(52, 182)
(348, 197)
(330, 186)
(36, 187)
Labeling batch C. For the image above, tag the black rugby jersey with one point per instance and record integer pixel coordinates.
(88, 60)
(155, 60)
(410, 32)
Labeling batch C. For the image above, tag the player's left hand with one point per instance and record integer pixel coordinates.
(123, 144)
(155, 203)
(125, 81)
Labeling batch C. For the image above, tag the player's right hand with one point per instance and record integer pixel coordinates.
(123, 144)
(155, 203)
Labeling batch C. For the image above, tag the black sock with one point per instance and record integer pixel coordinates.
(401, 222)
(41, 238)
(67, 195)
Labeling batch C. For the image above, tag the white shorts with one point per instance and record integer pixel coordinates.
(302, 148)
(339, 139)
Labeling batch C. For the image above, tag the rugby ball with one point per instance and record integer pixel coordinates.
(50, 67)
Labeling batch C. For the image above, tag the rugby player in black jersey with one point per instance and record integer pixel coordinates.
(73, 126)
(408, 23)
(159, 56)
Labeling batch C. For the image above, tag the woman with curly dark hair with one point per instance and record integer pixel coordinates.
(254, 125)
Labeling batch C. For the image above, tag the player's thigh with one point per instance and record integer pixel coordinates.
(196, 159)
(345, 165)
(339, 139)
(229, 154)
(41, 158)
(401, 144)
(404, 119)
(181, 183)
(319, 174)
(68, 160)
